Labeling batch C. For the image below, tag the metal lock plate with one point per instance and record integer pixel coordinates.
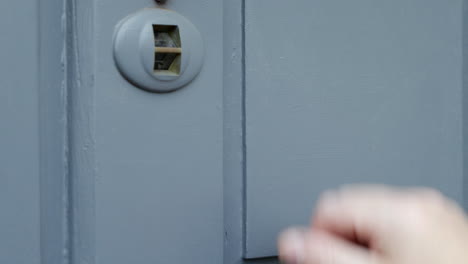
(158, 50)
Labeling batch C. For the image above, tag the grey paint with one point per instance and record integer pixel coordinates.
(345, 92)
(465, 100)
(81, 53)
(233, 169)
(19, 133)
(150, 165)
(53, 120)
(233, 143)
(234, 115)
(107, 173)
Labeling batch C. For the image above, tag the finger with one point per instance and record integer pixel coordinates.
(357, 213)
(291, 244)
(304, 246)
(325, 248)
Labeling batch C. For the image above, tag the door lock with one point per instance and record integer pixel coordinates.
(158, 50)
(167, 51)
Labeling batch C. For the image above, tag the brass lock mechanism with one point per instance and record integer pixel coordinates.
(168, 50)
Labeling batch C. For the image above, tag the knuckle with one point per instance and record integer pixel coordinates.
(422, 207)
(430, 195)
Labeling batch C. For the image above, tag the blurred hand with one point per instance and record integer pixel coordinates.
(380, 225)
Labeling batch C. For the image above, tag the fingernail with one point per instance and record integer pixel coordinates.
(293, 247)
(328, 201)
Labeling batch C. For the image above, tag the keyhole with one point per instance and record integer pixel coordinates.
(168, 50)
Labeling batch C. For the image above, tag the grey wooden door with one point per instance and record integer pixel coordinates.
(348, 91)
(293, 97)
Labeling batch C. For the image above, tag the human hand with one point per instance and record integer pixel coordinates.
(380, 225)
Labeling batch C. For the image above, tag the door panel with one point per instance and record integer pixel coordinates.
(19, 134)
(158, 157)
(344, 92)
(313, 94)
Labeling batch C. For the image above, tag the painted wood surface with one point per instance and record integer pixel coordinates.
(292, 99)
(19, 134)
(344, 92)
(157, 168)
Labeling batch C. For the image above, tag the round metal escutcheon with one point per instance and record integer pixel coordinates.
(158, 50)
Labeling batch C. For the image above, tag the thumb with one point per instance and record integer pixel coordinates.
(301, 246)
